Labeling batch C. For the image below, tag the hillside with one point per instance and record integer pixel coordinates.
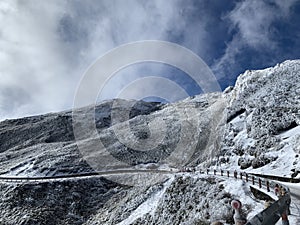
(253, 126)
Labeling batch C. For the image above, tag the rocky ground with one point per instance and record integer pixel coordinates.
(61, 202)
(181, 200)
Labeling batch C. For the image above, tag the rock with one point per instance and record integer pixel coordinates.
(262, 160)
(244, 163)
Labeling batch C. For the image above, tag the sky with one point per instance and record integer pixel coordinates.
(47, 46)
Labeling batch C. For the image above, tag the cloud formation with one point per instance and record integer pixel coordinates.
(254, 24)
(45, 46)
(31, 67)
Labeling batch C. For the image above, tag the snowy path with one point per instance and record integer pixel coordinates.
(83, 175)
(150, 204)
(294, 191)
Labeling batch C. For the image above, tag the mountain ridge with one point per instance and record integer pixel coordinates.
(254, 126)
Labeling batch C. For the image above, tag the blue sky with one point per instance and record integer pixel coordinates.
(46, 46)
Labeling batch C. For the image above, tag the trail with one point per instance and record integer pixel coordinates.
(294, 188)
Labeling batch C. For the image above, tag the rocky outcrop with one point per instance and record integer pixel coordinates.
(263, 106)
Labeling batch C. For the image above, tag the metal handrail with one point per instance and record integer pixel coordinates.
(272, 214)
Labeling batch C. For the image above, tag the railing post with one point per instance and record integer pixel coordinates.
(227, 173)
(207, 171)
(235, 174)
(268, 185)
(247, 176)
(241, 175)
(259, 182)
(221, 172)
(215, 172)
(253, 180)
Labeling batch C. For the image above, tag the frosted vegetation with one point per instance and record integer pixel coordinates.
(254, 126)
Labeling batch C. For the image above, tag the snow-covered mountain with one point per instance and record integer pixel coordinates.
(254, 126)
(263, 120)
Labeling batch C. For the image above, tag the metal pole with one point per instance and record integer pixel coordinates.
(268, 185)
(259, 182)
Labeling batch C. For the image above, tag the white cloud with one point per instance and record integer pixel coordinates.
(31, 58)
(45, 46)
(227, 62)
(253, 20)
(285, 6)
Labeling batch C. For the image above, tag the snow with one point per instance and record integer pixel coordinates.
(263, 190)
(241, 191)
(258, 93)
(290, 133)
(25, 169)
(286, 156)
(280, 167)
(148, 206)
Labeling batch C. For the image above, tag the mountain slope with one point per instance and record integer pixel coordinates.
(254, 126)
(264, 118)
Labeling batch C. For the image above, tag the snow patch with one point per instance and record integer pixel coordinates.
(148, 206)
(241, 191)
